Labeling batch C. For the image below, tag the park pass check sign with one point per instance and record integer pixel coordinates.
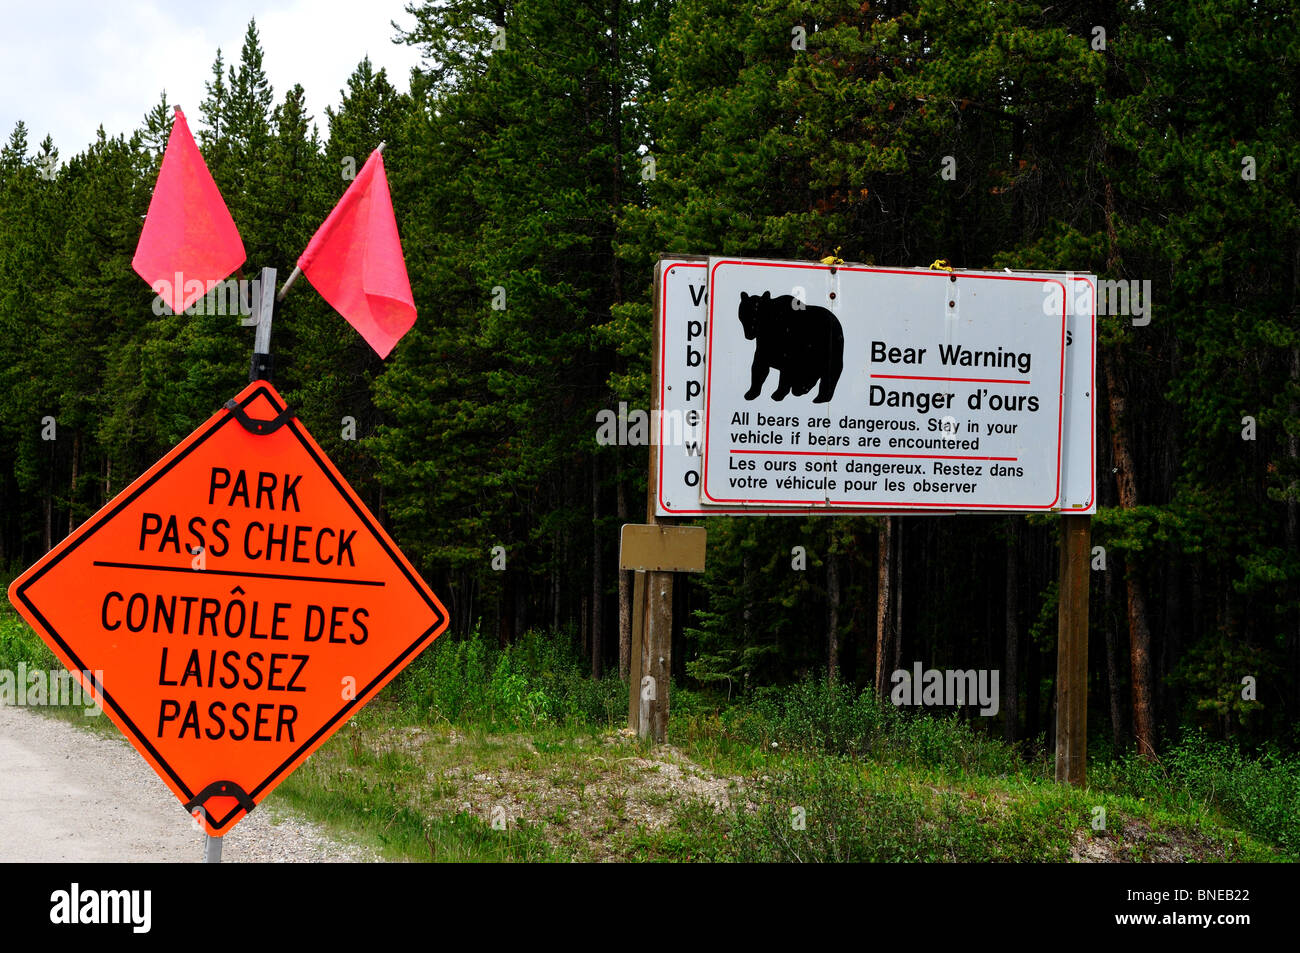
(236, 605)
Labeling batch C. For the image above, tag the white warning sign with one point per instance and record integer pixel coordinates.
(854, 387)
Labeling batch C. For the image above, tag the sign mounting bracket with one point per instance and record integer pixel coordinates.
(259, 427)
(222, 789)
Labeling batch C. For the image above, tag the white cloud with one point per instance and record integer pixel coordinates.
(68, 66)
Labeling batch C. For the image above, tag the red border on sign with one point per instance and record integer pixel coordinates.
(923, 507)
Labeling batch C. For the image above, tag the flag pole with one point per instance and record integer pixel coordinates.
(293, 275)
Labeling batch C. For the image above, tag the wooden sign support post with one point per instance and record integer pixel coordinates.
(656, 657)
(635, 661)
(1072, 652)
(654, 552)
(654, 559)
(650, 662)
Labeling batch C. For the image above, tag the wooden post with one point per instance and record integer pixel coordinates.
(635, 667)
(652, 600)
(656, 665)
(656, 551)
(1072, 652)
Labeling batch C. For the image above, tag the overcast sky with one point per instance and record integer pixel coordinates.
(71, 65)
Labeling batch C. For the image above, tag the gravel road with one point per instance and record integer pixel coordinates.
(67, 794)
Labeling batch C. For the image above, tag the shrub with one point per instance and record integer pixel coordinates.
(815, 717)
(1260, 794)
(537, 680)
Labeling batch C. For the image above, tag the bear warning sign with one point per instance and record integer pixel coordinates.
(237, 602)
(904, 389)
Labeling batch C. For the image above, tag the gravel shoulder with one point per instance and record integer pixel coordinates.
(69, 795)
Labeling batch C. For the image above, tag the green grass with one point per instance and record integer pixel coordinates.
(20, 646)
(852, 814)
(377, 796)
(1261, 794)
(471, 734)
(18, 643)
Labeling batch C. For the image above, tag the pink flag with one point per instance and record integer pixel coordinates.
(355, 261)
(189, 241)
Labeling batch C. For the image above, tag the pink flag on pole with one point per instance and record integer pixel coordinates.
(355, 261)
(189, 241)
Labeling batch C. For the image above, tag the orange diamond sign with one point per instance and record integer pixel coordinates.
(232, 607)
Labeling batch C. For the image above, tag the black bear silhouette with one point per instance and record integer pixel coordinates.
(806, 344)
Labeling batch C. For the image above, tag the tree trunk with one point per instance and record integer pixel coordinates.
(624, 600)
(556, 592)
(49, 518)
(597, 583)
(883, 636)
(896, 592)
(1292, 539)
(1140, 660)
(1126, 484)
(1010, 684)
(1033, 694)
(584, 622)
(523, 605)
(506, 609)
(888, 604)
(616, 118)
(746, 626)
(1113, 677)
(72, 491)
(833, 625)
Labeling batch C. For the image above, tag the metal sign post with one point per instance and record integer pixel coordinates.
(1072, 652)
(259, 369)
(211, 849)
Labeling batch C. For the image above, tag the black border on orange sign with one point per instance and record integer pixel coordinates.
(18, 595)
